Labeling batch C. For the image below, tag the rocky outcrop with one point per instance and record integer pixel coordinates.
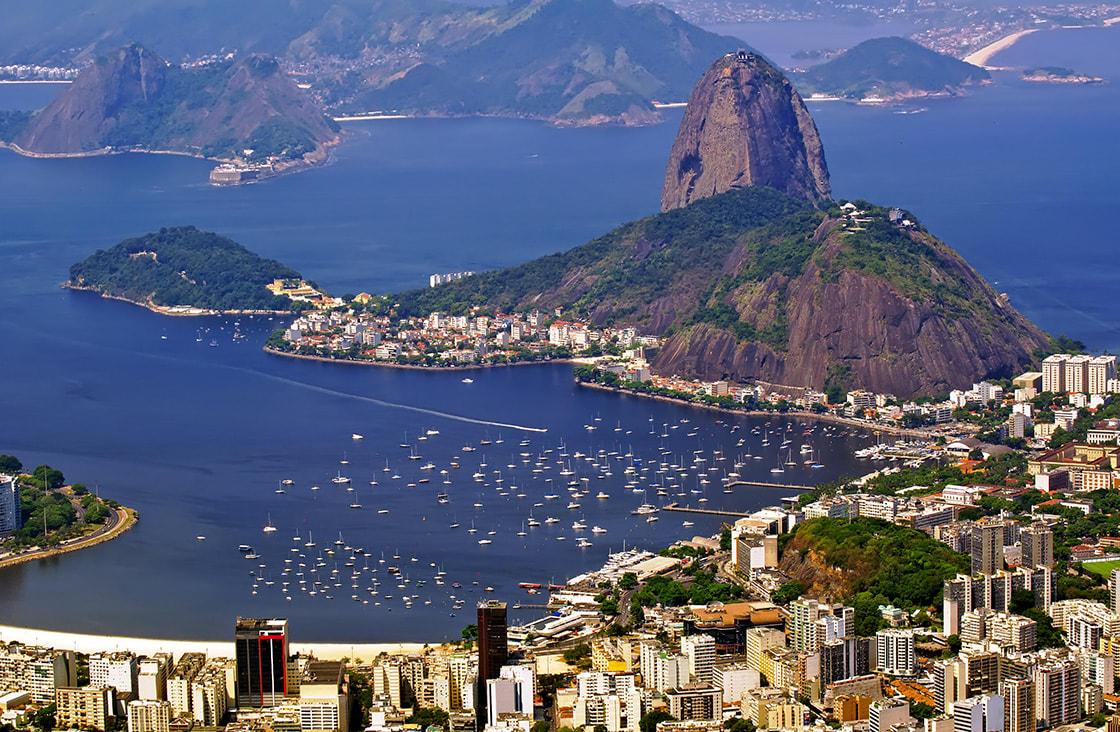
(863, 331)
(132, 99)
(745, 125)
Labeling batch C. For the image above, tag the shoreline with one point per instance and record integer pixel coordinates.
(170, 311)
(126, 519)
(982, 56)
(799, 413)
(314, 159)
(417, 367)
(93, 643)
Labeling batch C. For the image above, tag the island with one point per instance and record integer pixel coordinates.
(1059, 75)
(892, 69)
(246, 114)
(184, 271)
(42, 516)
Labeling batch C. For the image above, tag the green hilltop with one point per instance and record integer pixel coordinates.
(182, 266)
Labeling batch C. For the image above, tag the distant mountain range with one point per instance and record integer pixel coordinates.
(132, 99)
(889, 68)
(568, 60)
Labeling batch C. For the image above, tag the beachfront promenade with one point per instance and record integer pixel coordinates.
(86, 643)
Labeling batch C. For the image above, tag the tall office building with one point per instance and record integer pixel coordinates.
(261, 647)
(1018, 699)
(9, 504)
(979, 714)
(493, 649)
(1038, 546)
(986, 548)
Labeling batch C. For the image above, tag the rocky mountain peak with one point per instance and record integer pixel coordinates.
(745, 125)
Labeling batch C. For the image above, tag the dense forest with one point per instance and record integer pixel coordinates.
(185, 266)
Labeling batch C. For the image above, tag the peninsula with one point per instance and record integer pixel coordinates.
(184, 271)
(246, 114)
(41, 516)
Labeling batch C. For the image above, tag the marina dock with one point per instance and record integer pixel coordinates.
(760, 484)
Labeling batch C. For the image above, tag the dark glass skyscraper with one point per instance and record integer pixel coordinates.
(493, 649)
(262, 661)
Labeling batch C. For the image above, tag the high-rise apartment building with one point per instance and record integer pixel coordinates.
(117, 670)
(986, 547)
(1058, 693)
(9, 504)
(1054, 373)
(895, 652)
(179, 682)
(1037, 541)
(149, 715)
(701, 653)
(83, 707)
(1077, 374)
(261, 649)
(804, 631)
(1018, 699)
(1102, 369)
(151, 677)
(886, 713)
(979, 714)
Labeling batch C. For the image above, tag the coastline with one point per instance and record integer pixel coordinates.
(92, 643)
(126, 519)
(316, 158)
(393, 365)
(173, 310)
(981, 57)
(799, 413)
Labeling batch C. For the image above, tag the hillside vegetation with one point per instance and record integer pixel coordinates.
(188, 267)
(869, 558)
(757, 284)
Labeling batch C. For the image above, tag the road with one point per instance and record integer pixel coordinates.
(119, 521)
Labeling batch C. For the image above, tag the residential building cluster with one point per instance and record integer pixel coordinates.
(447, 340)
(263, 687)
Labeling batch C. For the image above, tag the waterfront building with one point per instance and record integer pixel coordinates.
(179, 682)
(149, 715)
(208, 696)
(117, 670)
(9, 504)
(84, 707)
(261, 647)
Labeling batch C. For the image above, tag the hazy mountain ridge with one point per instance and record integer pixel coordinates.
(132, 99)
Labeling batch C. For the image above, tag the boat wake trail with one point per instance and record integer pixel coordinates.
(396, 405)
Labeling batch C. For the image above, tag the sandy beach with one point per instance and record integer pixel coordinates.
(981, 57)
(86, 643)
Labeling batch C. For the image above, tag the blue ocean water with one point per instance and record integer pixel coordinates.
(197, 438)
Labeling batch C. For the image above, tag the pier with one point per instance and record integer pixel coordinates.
(709, 511)
(760, 484)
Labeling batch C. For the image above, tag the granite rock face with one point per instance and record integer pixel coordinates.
(745, 125)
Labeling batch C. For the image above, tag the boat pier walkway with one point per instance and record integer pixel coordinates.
(710, 512)
(760, 484)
